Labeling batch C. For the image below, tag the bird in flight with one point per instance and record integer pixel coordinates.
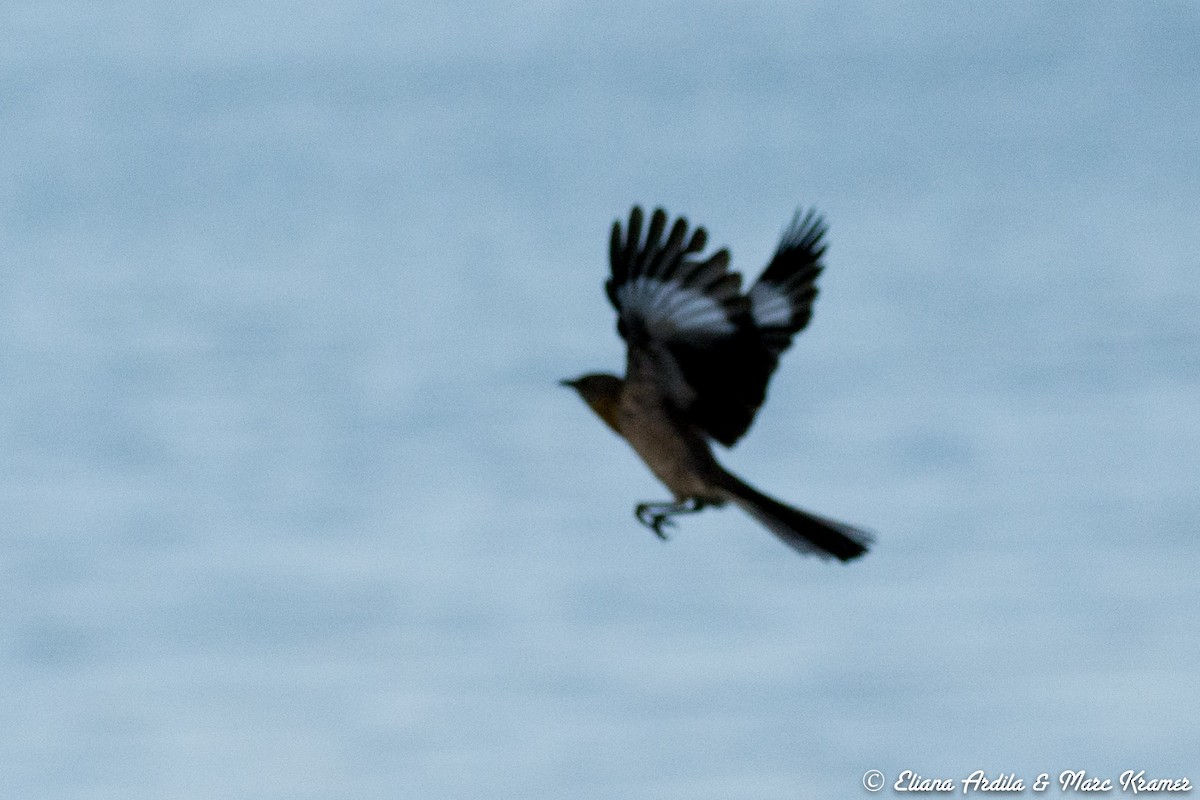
(700, 354)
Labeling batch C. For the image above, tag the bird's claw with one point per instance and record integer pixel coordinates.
(654, 520)
(660, 521)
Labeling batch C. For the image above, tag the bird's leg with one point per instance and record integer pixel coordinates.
(656, 516)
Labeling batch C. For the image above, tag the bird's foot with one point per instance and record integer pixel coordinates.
(657, 516)
(651, 515)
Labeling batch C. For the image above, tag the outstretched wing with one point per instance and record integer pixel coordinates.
(686, 315)
(781, 299)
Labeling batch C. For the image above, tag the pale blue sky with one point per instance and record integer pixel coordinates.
(293, 506)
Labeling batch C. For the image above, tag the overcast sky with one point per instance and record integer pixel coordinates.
(292, 505)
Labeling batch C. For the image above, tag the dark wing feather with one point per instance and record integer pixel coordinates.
(729, 378)
(781, 300)
(688, 316)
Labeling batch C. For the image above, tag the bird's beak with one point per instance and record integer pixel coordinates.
(567, 382)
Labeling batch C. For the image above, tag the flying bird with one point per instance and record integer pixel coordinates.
(700, 354)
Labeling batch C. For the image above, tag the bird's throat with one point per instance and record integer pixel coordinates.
(606, 408)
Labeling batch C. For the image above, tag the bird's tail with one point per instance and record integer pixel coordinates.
(800, 530)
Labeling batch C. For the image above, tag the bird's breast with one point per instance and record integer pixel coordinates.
(676, 454)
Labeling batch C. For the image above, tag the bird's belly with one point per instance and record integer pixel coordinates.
(681, 461)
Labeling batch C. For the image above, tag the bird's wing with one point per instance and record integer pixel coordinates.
(688, 325)
(781, 300)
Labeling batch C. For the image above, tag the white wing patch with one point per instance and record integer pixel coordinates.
(671, 312)
(769, 306)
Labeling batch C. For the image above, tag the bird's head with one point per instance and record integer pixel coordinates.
(600, 391)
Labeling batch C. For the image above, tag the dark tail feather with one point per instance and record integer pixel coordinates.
(802, 531)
